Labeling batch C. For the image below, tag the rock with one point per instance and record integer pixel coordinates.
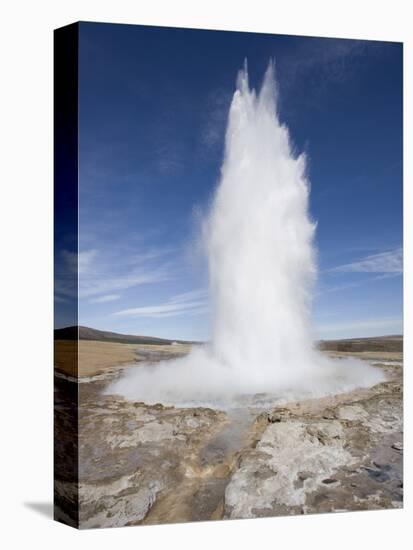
(131, 453)
(319, 460)
(285, 451)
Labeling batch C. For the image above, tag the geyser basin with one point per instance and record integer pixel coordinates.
(259, 243)
(200, 380)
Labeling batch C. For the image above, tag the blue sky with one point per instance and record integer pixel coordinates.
(153, 105)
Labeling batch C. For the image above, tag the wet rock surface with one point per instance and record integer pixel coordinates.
(149, 464)
(130, 453)
(345, 457)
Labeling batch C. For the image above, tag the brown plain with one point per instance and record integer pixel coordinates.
(94, 357)
(97, 357)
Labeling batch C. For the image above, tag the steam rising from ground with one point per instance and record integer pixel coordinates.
(259, 240)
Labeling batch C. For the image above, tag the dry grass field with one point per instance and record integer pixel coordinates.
(97, 357)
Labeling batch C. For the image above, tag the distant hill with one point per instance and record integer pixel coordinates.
(86, 333)
(378, 343)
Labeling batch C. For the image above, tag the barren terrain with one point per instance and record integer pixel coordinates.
(142, 464)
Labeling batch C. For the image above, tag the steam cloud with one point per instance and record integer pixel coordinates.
(259, 241)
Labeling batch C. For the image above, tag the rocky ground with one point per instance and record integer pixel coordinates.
(324, 457)
(141, 464)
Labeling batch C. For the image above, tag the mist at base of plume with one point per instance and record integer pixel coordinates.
(259, 241)
(199, 380)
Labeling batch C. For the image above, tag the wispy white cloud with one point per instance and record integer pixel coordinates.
(390, 261)
(340, 287)
(193, 302)
(85, 260)
(355, 284)
(200, 293)
(78, 263)
(60, 299)
(102, 275)
(321, 63)
(69, 261)
(106, 283)
(104, 299)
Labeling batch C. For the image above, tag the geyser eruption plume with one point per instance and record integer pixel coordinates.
(259, 241)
